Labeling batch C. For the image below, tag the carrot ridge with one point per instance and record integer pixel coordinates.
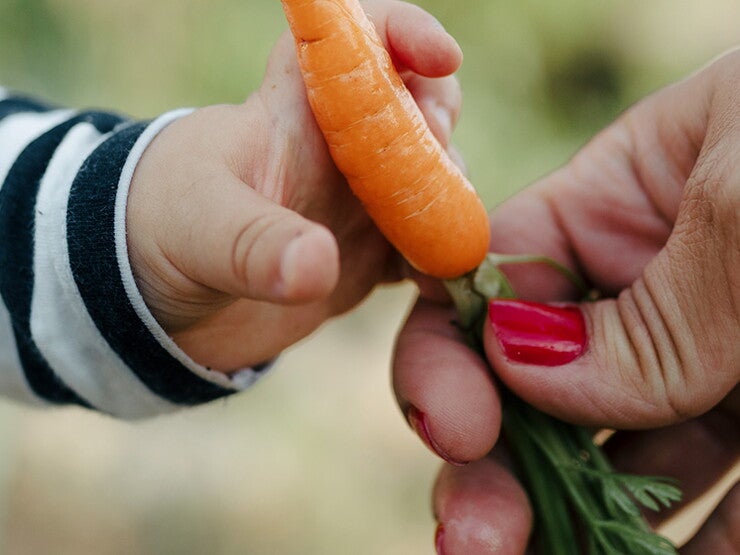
(379, 139)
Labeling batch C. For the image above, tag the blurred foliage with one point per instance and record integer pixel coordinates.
(315, 460)
(539, 77)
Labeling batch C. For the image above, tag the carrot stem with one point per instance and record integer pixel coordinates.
(575, 279)
(572, 487)
(555, 532)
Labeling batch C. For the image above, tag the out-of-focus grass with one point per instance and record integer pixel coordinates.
(316, 459)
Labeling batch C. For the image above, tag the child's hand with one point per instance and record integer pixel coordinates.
(242, 234)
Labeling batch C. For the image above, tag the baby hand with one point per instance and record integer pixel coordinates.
(243, 236)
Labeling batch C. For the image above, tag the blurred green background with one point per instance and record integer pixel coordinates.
(316, 459)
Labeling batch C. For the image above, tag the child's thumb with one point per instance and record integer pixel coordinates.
(226, 236)
(668, 348)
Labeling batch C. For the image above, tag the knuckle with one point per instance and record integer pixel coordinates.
(664, 371)
(727, 66)
(708, 230)
(246, 257)
(710, 213)
(682, 341)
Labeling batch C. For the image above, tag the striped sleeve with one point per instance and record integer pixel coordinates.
(74, 328)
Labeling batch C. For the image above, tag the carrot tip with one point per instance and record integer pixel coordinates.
(380, 141)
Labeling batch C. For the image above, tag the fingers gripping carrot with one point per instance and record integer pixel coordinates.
(379, 140)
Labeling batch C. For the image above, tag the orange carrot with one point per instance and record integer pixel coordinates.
(377, 137)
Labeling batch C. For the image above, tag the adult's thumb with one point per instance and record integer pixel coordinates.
(666, 349)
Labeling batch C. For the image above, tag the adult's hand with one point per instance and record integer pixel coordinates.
(649, 213)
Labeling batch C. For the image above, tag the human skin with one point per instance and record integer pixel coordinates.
(649, 214)
(243, 236)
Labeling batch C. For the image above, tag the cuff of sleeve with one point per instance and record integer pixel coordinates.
(139, 370)
(235, 381)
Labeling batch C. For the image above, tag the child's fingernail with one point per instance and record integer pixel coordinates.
(419, 422)
(288, 264)
(534, 333)
(444, 120)
(441, 28)
(439, 119)
(437, 23)
(439, 539)
(299, 276)
(457, 158)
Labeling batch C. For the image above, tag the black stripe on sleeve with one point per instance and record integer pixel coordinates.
(16, 104)
(17, 215)
(92, 252)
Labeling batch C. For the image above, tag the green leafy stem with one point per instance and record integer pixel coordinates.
(581, 504)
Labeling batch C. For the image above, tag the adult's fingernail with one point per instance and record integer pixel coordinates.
(439, 539)
(535, 333)
(420, 423)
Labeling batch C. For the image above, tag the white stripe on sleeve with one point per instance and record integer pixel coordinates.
(18, 130)
(61, 326)
(12, 379)
(236, 381)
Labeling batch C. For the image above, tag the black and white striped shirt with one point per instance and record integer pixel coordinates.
(74, 328)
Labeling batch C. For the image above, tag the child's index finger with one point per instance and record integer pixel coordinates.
(417, 41)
